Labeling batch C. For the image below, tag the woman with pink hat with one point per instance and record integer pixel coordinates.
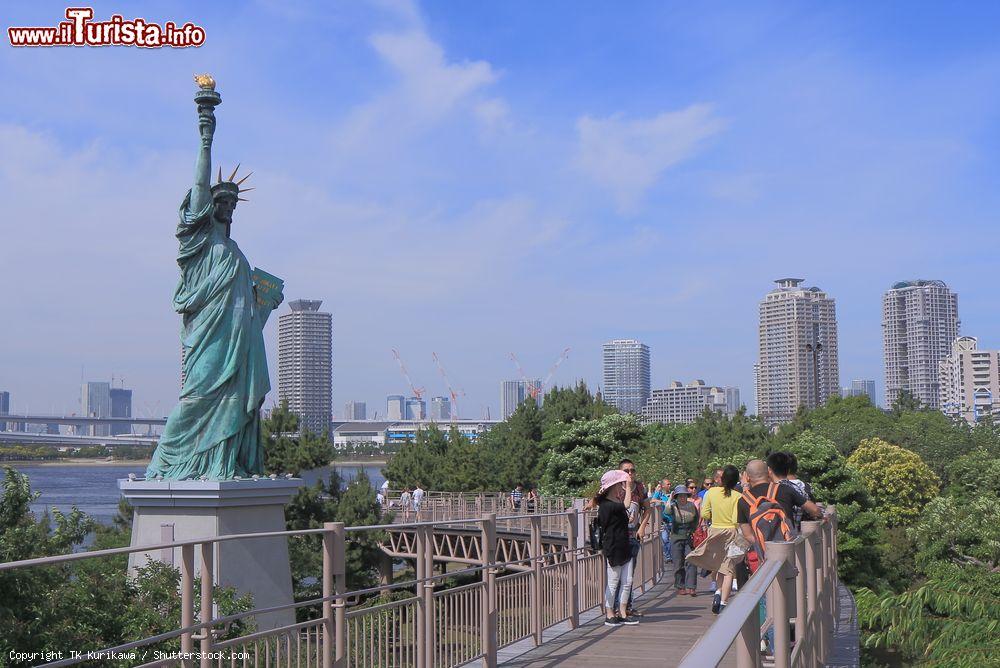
(612, 501)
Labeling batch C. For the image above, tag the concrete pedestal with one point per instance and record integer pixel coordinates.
(175, 510)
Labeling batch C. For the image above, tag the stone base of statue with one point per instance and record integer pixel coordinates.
(178, 510)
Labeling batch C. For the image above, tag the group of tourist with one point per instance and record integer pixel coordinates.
(519, 497)
(719, 528)
(410, 499)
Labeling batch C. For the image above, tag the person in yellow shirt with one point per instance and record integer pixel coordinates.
(719, 508)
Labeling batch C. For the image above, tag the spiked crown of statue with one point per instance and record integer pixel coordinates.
(230, 186)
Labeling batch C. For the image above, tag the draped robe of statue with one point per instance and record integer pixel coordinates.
(214, 430)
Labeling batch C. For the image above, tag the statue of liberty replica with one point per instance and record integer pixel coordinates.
(214, 431)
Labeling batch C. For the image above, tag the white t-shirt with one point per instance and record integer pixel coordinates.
(385, 486)
(418, 496)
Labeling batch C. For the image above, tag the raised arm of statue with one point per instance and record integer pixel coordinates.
(201, 194)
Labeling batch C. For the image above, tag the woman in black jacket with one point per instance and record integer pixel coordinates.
(613, 501)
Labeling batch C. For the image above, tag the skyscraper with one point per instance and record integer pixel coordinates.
(513, 393)
(395, 407)
(416, 409)
(862, 387)
(121, 406)
(95, 401)
(355, 410)
(626, 374)
(440, 409)
(4, 408)
(919, 324)
(970, 381)
(798, 351)
(305, 358)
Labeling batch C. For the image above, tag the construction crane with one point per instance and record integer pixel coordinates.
(447, 382)
(529, 387)
(552, 371)
(417, 391)
(534, 389)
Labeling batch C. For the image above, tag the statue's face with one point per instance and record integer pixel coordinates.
(224, 207)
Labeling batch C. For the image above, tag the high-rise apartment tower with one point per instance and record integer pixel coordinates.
(305, 359)
(798, 351)
(626, 374)
(919, 324)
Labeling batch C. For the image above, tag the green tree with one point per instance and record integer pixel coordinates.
(581, 452)
(422, 461)
(286, 449)
(932, 435)
(510, 453)
(899, 482)
(846, 422)
(952, 619)
(663, 451)
(564, 405)
(835, 483)
(959, 531)
(976, 472)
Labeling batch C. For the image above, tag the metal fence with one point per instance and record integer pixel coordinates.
(799, 583)
(430, 628)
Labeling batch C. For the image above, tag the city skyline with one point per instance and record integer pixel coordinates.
(727, 187)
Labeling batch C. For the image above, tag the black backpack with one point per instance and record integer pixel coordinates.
(596, 536)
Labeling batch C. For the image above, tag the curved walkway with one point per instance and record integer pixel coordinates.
(669, 627)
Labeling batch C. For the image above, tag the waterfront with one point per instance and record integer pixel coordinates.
(94, 489)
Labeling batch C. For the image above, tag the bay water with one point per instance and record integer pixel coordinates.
(94, 489)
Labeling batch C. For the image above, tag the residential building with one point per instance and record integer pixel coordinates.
(626, 374)
(680, 403)
(355, 410)
(514, 392)
(395, 407)
(121, 407)
(798, 363)
(95, 401)
(440, 409)
(919, 324)
(416, 409)
(305, 363)
(970, 381)
(4, 408)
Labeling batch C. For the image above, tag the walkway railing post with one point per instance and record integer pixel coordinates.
(429, 596)
(207, 570)
(419, 538)
(824, 587)
(488, 622)
(329, 639)
(339, 576)
(779, 613)
(814, 628)
(572, 517)
(748, 644)
(535, 551)
(801, 632)
(187, 600)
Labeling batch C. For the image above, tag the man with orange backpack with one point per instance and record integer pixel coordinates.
(764, 513)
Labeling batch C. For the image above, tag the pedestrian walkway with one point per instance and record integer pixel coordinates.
(669, 627)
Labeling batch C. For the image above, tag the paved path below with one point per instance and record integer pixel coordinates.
(669, 627)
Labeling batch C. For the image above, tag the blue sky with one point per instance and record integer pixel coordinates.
(478, 178)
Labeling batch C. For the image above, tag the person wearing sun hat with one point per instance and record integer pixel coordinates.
(612, 501)
(684, 514)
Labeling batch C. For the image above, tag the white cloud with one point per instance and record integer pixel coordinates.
(628, 156)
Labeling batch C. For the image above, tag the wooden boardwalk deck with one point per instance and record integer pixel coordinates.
(669, 627)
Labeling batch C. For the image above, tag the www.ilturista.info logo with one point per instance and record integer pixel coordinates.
(80, 30)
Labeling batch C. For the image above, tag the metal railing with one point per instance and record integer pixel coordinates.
(433, 627)
(798, 580)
